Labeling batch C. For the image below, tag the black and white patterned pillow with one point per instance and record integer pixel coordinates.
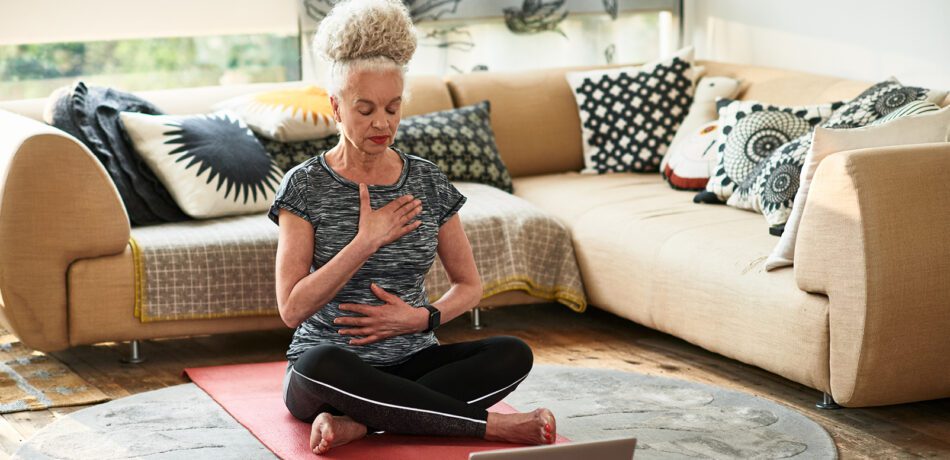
(776, 185)
(290, 154)
(878, 101)
(460, 141)
(629, 115)
(212, 164)
(749, 132)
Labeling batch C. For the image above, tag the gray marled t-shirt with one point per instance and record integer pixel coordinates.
(331, 203)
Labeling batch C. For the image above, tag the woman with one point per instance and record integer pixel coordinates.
(359, 228)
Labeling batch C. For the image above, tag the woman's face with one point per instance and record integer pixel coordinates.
(369, 109)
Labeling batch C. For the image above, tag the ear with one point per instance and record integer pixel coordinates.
(335, 105)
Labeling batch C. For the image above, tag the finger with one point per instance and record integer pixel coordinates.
(361, 331)
(409, 227)
(352, 321)
(408, 212)
(364, 199)
(354, 307)
(365, 340)
(394, 205)
(381, 293)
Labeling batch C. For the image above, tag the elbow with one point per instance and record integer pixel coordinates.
(476, 292)
(287, 316)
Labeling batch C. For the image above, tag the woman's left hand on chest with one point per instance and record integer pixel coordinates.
(394, 317)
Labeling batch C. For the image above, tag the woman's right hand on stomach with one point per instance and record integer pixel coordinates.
(390, 222)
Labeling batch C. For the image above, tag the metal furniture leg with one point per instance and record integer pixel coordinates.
(827, 402)
(477, 319)
(134, 356)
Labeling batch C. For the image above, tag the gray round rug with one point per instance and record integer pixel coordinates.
(670, 418)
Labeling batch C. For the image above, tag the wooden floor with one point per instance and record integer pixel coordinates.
(558, 336)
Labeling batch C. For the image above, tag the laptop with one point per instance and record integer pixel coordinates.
(609, 449)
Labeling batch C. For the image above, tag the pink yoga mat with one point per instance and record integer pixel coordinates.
(251, 394)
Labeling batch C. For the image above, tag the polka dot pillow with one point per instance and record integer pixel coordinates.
(630, 114)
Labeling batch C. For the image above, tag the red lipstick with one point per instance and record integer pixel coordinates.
(379, 139)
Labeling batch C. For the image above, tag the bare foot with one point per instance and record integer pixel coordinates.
(329, 431)
(536, 427)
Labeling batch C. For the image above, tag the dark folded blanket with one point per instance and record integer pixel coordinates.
(91, 114)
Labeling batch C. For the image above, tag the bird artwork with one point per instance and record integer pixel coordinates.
(419, 10)
(430, 10)
(610, 7)
(536, 16)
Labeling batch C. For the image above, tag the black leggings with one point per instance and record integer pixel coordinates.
(442, 390)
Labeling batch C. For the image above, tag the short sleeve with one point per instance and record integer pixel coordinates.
(291, 195)
(450, 199)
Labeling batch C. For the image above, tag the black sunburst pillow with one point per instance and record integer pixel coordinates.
(212, 164)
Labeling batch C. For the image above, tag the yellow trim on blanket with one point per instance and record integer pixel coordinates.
(237, 314)
(562, 294)
(139, 274)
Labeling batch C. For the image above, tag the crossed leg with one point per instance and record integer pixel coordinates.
(443, 390)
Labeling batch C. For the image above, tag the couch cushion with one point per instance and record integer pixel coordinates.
(649, 254)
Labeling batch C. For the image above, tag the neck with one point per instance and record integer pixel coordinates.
(349, 157)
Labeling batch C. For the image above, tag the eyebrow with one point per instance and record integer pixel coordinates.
(367, 101)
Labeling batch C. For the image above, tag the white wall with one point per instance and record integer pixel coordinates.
(859, 39)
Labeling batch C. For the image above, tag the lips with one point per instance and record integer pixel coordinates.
(379, 139)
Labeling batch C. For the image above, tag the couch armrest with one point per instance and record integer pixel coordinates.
(57, 204)
(873, 237)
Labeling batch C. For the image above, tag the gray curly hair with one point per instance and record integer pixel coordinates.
(364, 35)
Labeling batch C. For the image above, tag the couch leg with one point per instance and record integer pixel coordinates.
(827, 402)
(134, 356)
(477, 319)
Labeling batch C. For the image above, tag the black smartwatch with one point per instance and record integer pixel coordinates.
(435, 317)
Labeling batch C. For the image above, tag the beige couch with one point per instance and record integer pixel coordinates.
(863, 315)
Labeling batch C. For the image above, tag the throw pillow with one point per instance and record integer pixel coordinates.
(689, 150)
(878, 101)
(212, 164)
(689, 165)
(289, 115)
(460, 141)
(630, 114)
(929, 126)
(777, 182)
(290, 154)
(91, 115)
(776, 186)
(749, 132)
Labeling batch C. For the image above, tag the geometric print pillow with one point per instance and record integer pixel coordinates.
(630, 115)
(212, 164)
(878, 101)
(749, 132)
(460, 141)
(776, 186)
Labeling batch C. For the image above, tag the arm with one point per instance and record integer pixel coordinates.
(300, 293)
(873, 238)
(58, 205)
(456, 255)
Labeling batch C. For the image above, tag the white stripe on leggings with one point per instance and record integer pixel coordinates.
(503, 389)
(386, 404)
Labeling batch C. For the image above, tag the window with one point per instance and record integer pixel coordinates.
(134, 46)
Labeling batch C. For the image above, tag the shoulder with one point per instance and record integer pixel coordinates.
(306, 173)
(422, 166)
